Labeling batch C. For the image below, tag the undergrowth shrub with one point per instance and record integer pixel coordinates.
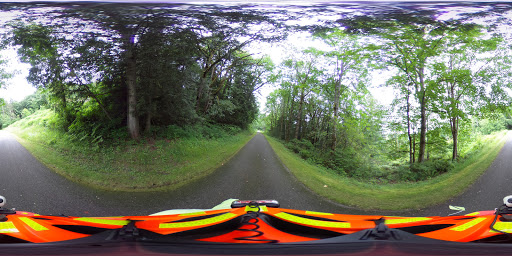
(199, 131)
(363, 166)
(425, 170)
(304, 148)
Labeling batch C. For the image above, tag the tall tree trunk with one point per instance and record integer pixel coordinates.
(199, 94)
(149, 116)
(427, 148)
(336, 107)
(208, 94)
(423, 117)
(454, 123)
(423, 131)
(411, 148)
(299, 117)
(282, 131)
(282, 124)
(414, 148)
(133, 120)
(290, 120)
(147, 126)
(61, 94)
(131, 84)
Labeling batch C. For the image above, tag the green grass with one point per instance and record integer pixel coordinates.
(401, 196)
(128, 166)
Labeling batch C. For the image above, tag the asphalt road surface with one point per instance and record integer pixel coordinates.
(254, 173)
(487, 192)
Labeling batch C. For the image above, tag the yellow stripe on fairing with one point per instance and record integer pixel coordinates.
(7, 227)
(503, 226)
(33, 224)
(191, 213)
(406, 220)
(105, 221)
(263, 208)
(195, 223)
(468, 225)
(318, 223)
(318, 213)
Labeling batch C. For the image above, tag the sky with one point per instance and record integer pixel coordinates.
(16, 88)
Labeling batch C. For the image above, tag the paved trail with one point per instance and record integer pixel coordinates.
(488, 191)
(254, 173)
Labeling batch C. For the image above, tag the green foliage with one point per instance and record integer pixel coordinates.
(347, 161)
(193, 80)
(258, 124)
(304, 148)
(198, 131)
(444, 73)
(14, 111)
(364, 165)
(425, 170)
(490, 125)
(401, 196)
(25, 112)
(149, 164)
(317, 107)
(178, 71)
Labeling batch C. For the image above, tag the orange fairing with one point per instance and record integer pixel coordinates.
(168, 224)
(33, 228)
(279, 225)
(268, 234)
(251, 225)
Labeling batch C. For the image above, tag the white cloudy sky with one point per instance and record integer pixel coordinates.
(17, 88)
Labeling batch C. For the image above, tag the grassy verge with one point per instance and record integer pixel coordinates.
(392, 196)
(127, 166)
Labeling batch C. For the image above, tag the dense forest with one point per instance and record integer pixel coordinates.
(451, 81)
(140, 67)
(135, 71)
